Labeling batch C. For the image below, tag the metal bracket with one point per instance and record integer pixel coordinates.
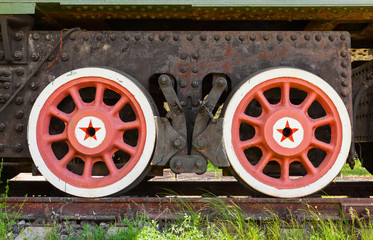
(14, 32)
(210, 144)
(169, 142)
(188, 164)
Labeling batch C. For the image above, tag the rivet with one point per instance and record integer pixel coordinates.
(113, 37)
(343, 37)
(137, 37)
(178, 164)
(195, 83)
(18, 55)
(19, 127)
(318, 37)
(293, 37)
(2, 127)
(99, 37)
(183, 55)
(35, 57)
(307, 37)
(228, 37)
(280, 37)
(2, 147)
(343, 74)
(34, 85)
(190, 37)
(18, 148)
(176, 37)
(64, 56)
(183, 69)
(6, 97)
(201, 143)
(252, 37)
(195, 55)
(178, 143)
(265, 37)
(183, 84)
(48, 37)
(6, 85)
(241, 38)
(162, 37)
(198, 164)
(19, 36)
(19, 100)
(345, 92)
(344, 64)
(221, 82)
(203, 37)
(345, 83)
(19, 114)
(126, 37)
(6, 73)
(343, 54)
(35, 36)
(151, 38)
(331, 38)
(195, 69)
(217, 37)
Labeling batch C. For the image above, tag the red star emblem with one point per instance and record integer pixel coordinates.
(90, 126)
(290, 132)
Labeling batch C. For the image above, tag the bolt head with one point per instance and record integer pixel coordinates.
(7, 85)
(164, 80)
(198, 164)
(19, 100)
(195, 83)
(18, 55)
(201, 143)
(183, 69)
(64, 56)
(183, 84)
(177, 142)
(178, 164)
(19, 71)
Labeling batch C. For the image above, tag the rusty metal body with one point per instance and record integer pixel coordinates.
(188, 75)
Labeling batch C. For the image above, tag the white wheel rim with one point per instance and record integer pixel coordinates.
(140, 166)
(227, 132)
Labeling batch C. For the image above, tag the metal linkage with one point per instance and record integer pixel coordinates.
(207, 134)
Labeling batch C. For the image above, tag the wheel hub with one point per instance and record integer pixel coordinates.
(90, 131)
(284, 132)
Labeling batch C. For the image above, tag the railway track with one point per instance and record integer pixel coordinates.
(43, 203)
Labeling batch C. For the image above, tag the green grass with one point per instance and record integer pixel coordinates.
(358, 171)
(228, 222)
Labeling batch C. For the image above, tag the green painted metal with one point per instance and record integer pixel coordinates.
(28, 6)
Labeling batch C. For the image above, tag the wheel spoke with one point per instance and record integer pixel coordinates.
(264, 160)
(67, 158)
(285, 163)
(129, 125)
(108, 159)
(285, 94)
(55, 112)
(250, 120)
(253, 142)
(322, 145)
(311, 96)
(322, 121)
(74, 93)
(57, 138)
(119, 105)
(125, 147)
(100, 89)
(307, 164)
(263, 101)
(88, 166)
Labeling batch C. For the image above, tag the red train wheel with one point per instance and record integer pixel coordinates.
(92, 132)
(284, 134)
